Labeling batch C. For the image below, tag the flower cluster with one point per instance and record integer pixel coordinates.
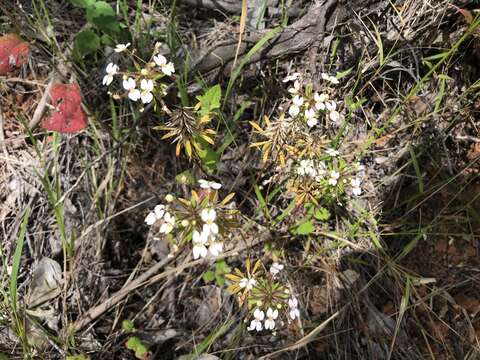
(268, 299)
(140, 85)
(203, 219)
(300, 138)
(310, 107)
(327, 177)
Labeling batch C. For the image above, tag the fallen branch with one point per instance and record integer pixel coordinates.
(147, 279)
(319, 19)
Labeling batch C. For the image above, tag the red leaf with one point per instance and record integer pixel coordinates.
(69, 116)
(13, 53)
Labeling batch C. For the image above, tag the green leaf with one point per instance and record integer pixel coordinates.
(304, 228)
(86, 43)
(17, 256)
(136, 345)
(210, 101)
(322, 214)
(221, 267)
(208, 156)
(73, 357)
(103, 16)
(4, 356)
(128, 325)
(220, 280)
(185, 178)
(208, 276)
(83, 3)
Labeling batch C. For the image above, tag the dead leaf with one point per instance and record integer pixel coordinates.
(13, 53)
(45, 283)
(69, 116)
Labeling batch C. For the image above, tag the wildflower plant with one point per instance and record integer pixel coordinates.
(142, 82)
(188, 127)
(300, 141)
(203, 222)
(265, 294)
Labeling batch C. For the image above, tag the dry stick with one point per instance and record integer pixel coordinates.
(42, 105)
(243, 21)
(146, 279)
(311, 336)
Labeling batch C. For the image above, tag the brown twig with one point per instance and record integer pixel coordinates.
(147, 279)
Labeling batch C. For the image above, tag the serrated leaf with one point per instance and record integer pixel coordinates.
(136, 345)
(128, 325)
(322, 214)
(221, 267)
(86, 43)
(304, 228)
(208, 276)
(103, 16)
(210, 101)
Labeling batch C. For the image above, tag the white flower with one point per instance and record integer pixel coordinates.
(208, 216)
(121, 47)
(111, 70)
(320, 170)
(199, 241)
(294, 109)
(256, 323)
(334, 176)
(334, 116)
(306, 167)
(215, 247)
(311, 117)
(293, 305)
(331, 105)
(291, 77)
(167, 67)
(333, 80)
(155, 215)
(168, 224)
(129, 85)
(295, 89)
(330, 78)
(356, 189)
(320, 100)
(247, 283)
(147, 88)
(150, 219)
(332, 152)
(205, 184)
(270, 321)
(276, 268)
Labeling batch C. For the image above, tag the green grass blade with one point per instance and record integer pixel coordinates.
(16, 259)
(246, 59)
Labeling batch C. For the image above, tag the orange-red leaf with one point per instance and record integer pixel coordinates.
(13, 53)
(68, 116)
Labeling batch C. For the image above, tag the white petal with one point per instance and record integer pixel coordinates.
(312, 122)
(107, 79)
(146, 85)
(199, 251)
(159, 211)
(127, 84)
(216, 248)
(215, 185)
(160, 60)
(134, 94)
(168, 69)
(150, 219)
(334, 116)
(147, 97)
(294, 110)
